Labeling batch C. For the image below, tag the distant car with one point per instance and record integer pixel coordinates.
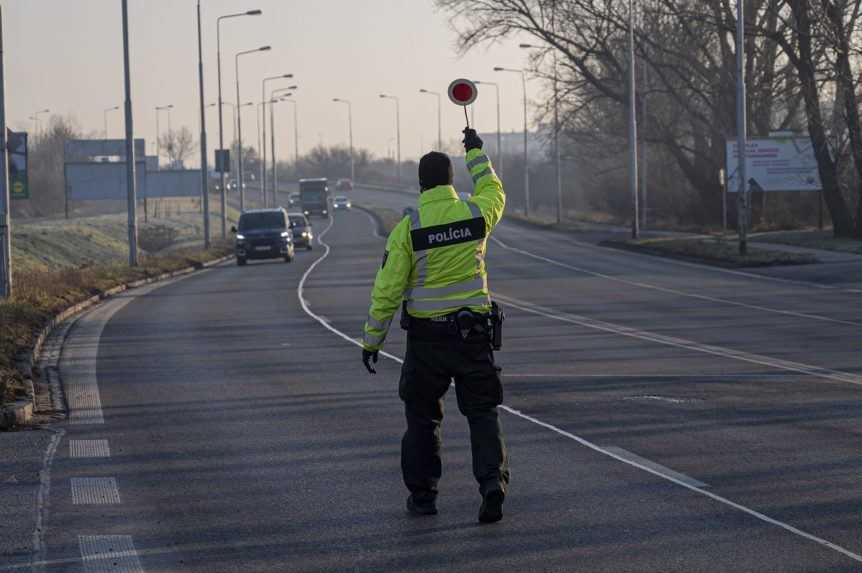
(344, 184)
(408, 211)
(301, 229)
(263, 234)
(293, 199)
(341, 202)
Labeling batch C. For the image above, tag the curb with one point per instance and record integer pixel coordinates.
(646, 250)
(381, 229)
(21, 412)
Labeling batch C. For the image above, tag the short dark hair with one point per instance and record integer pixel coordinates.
(435, 169)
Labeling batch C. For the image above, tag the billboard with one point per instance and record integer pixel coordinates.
(173, 183)
(19, 185)
(775, 164)
(83, 149)
(88, 181)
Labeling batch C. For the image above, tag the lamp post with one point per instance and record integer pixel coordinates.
(439, 118)
(35, 116)
(397, 134)
(105, 113)
(131, 199)
(263, 101)
(295, 136)
(499, 163)
(633, 125)
(557, 170)
(220, 122)
(349, 133)
(274, 177)
(741, 132)
(5, 219)
(205, 192)
(526, 159)
(160, 108)
(239, 124)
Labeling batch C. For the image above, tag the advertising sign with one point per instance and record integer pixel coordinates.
(19, 186)
(775, 164)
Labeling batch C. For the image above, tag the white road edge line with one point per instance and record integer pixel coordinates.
(674, 291)
(663, 470)
(43, 498)
(777, 363)
(586, 443)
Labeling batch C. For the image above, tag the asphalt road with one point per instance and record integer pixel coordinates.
(660, 416)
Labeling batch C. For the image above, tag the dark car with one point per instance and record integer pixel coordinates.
(301, 228)
(263, 234)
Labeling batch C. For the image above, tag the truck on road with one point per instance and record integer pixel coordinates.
(314, 196)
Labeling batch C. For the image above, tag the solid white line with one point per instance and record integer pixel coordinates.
(787, 365)
(43, 498)
(663, 470)
(693, 376)
(722, 500)
(674, 291)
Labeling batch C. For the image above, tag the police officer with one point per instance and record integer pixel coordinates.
(434, 266)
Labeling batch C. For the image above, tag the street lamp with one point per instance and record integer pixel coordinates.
(526, 160)
(439, 118)
(557, 170)
(350, 134)
(239, 124)
(105, 113)
(295, 136)
(397, 134)
(158, 132)
(499, 164)
(263, 140)
(220, 123)
(205, 192)
(272, 103)
(35, 117)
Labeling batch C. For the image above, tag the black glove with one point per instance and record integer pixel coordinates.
(471, 139)
(367, 357)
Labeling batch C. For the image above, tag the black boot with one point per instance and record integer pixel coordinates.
(492, 507)
(421, 505)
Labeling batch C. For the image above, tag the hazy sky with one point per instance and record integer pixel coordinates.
(66, 55)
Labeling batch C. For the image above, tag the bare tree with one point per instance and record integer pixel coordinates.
(178, 146)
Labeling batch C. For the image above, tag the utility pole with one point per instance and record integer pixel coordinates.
(397, 134)
(131, 196)
(741, 131)
(5, 219)
(205, 192)
(633, 125)
(643, 167)
(349, 134)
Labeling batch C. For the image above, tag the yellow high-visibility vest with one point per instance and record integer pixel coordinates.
(435, 258)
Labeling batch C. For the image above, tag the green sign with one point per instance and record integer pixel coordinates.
(19, 187)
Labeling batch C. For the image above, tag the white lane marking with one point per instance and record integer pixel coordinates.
(586, 443)
(95, 491)
(787, 365)
(657, 468)
(676, 292)
(701, 267)
(89, 449)
(374, 232)
(109, 554)
(715, 497)
(655, 398)
(42, 501)
(693, 376)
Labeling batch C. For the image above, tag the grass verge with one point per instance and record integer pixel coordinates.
(40, 294)
(812, 240)
(386, 218)
(713, 251)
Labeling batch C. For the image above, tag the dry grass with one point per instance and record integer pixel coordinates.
(812, 240)
(41, 293)
(714, 251)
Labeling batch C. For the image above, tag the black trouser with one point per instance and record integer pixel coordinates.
(436, 355)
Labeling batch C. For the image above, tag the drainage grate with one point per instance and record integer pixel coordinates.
(95, 491)
(89, 449)
(109, 554)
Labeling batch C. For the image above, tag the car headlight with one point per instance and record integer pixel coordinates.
(324, 211)
(240, 237)
(306, 212)
(285, 234)
(305, 234)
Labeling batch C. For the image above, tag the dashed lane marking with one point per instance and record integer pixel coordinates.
(657, 468)
(582, 441)
(89, 449)
(673, 291)
(109, 554)
(95, 491)
(786, 365)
